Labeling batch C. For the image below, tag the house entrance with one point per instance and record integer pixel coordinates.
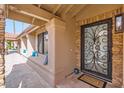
(96, 49)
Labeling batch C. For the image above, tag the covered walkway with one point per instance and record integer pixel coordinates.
(19, 74)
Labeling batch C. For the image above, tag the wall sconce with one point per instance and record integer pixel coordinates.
(119, 23)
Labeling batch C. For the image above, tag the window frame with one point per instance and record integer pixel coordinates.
(42, 38)
(107, 77)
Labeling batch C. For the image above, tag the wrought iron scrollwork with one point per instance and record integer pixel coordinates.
(95, 48)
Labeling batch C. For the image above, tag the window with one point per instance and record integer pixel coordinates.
(43, 43)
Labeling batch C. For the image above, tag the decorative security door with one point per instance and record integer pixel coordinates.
(96, 49)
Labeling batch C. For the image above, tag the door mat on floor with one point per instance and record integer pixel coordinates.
(92, 81)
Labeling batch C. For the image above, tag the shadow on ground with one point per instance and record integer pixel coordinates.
(22, 76)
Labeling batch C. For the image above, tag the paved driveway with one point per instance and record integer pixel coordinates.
(20, 75)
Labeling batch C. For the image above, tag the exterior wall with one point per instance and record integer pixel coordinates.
(60, 50)
(2, 67)
(23, 44)
(61, 47)
(30, 44)
(51, 49)
(66, 41)
(70, 44)
(15, 44)
(117, 41)
(44, 70)
(18, 46)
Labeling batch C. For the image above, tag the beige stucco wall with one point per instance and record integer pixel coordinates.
(65, 54)
(61, 47)
(30, 43)
(23, 43)
(70, 43)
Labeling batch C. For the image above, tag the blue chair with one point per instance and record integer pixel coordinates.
(24, 51)
(34, 53)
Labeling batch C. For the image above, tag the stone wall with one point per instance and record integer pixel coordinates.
(1, 48)
(117, 52)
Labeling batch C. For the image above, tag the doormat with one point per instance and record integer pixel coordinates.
(92, 81)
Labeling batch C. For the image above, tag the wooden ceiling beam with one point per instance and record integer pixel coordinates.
(34, 17)
(32, 10)
(24, 18)
(57, 8)
(68, 8)
(78, 9)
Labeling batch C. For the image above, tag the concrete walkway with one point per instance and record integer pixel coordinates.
(20, 75)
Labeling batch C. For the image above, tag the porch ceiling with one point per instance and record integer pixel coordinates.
(39, 14)
(62, 9)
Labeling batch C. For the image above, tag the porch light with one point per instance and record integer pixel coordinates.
(118, 23)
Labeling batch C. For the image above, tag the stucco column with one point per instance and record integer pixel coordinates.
(23, 43)
(30, 43)
(50, 27)
(2, 29)
(56, 49)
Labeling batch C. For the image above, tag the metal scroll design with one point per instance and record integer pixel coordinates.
(95, 48)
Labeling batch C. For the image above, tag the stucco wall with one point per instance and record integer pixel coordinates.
(23, 44)
(61, 47)
(30, 43)
(70, 43)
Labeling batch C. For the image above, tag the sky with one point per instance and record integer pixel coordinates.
(19, 26)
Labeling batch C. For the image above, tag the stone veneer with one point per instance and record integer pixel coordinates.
(117, 55)
(2, 80)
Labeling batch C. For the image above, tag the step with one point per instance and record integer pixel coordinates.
(44, 74)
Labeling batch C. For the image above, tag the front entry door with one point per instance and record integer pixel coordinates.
(96, 49)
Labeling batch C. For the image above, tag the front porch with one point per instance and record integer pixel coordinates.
(20, 73)
(59, 41)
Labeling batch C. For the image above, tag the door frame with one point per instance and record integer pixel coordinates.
(109, 70)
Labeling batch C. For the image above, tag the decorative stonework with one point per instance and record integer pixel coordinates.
(117, 47)
(2, 67)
